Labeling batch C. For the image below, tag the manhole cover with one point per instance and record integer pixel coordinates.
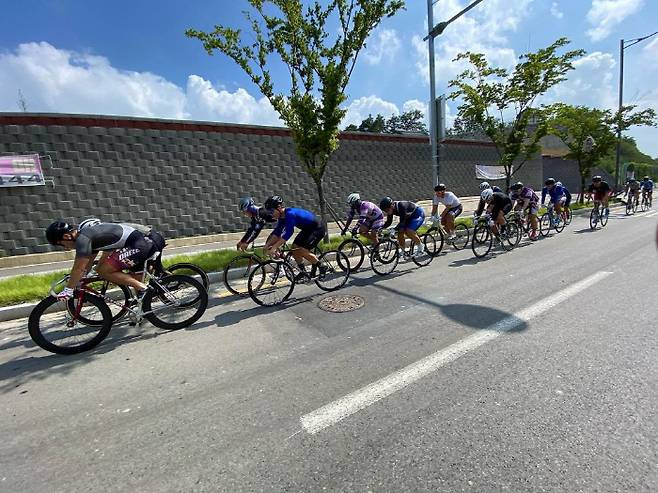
(341, 303)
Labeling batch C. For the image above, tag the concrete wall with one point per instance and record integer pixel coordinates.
(185, 178)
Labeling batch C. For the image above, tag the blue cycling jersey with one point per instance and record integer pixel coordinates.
(295, 218)
(646, 185)
(556, 193)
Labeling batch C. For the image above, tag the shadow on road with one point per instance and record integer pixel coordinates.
(585, 230)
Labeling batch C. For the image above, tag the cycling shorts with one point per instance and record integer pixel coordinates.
(415, 221)
(496, 210)
(561, 201)
(134, 253)
(456, 211)
(310, 237)
(599, 196)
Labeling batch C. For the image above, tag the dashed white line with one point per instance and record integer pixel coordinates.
(340, 409)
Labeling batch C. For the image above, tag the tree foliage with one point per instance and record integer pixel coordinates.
(408, 122)
(501, 103)
(319, 63)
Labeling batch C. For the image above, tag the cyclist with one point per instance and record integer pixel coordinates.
(453, 208)
(556, 193)
(526, 199)
(259, 217)
(124, 246)
(484, 186)
(311, 232)
(411, 218)
(633, 190)
(371, 218)
(647, 187)
(567, 203)
(498, 204)
(601, 191)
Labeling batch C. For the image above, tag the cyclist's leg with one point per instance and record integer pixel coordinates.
(533, 209)
(131, 257)
(414, 223)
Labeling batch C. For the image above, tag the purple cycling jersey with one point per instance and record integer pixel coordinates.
(526, 193)
(368, 213)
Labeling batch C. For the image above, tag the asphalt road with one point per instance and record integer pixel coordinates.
(534, 370)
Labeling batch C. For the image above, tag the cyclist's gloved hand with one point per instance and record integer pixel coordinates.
(65, 294)
(435, 218)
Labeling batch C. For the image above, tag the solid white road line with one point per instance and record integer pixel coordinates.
(340, 409)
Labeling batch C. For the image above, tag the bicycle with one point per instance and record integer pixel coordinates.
(84, 321)
(438, 232)
(631, 203)
(598, 215)
(382, 259)
(483, 236)
(550, 220)
(522, 223)
(646, 202)
(272, 281)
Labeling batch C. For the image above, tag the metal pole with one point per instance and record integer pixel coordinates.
(435, 154)
(621, 98)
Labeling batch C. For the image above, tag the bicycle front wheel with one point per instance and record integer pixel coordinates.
(511, 237)
(354, 252)
(462, 235)
(559, 223)
(175, 302)
(187, 269)
(593, 218)
(384, 257)
(236, 274)
(63, 331)
(568, 217)
(271, 283)
(482, 240)
(437, 235)
(603, 217)
(545, 224)
(336, 269)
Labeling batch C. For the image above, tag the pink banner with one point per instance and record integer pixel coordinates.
(20, 171)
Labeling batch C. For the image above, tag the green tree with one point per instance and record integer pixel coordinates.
(374, 125)
(629, 154)
(501, 103)
(587, 134)
(408, 122)
(319, 63)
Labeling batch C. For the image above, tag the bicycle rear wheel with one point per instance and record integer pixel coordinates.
(62, 331)
(545, 224)
(426, 257)
(271, 283)
(559, 223)
(629, 207)
(511, 236)
(236, 274)
(175, 302)
(337, 270)
(482, 240)
(384, 257)
(354, 252)
(462, 235)
(437, 234)
(187, 269)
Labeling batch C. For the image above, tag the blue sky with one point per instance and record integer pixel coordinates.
(132, 58)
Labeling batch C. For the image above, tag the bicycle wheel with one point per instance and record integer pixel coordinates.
(603, 217)
(426, 257)
(559, 224)
(643, 204)
(337, 270)
(187, 269)
(629, 207)
(120, 296)
(62, 331)
(236, 274)
(384, 257)
(354, 252)
(271, 282)
(176, 302)
(511, 236)
(569, 217)
(482, 240)
(462, 235)
(593, 218)
(437, 234)
(545, 224)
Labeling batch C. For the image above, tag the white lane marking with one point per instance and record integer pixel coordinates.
(340, 409)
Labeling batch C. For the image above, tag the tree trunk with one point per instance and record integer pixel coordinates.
(582, 188)
(323, 209)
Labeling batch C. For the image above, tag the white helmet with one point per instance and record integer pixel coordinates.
(353, 198)
(486, 194)
(92, 221)
(558, 184)
(484, 185)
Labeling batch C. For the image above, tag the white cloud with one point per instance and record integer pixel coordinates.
(604, 15)
(382, 45)
(359, 109)
(555, 11)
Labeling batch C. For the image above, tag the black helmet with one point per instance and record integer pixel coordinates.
(517, 186)
(596, 178)
(550, 181)
(385, 203)
(55, 232)
(440, 188)
(273, 202)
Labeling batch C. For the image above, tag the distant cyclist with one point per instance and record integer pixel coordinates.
(124, 246)
(259, 217)
(498, 204)
(526, 200)
(633, 189)
(647, 187)
(453, 208)
(556, 193)
(311, 232)
(485, 186)
(411, 217)
(567, 194)
(601, 192)
(371, 218)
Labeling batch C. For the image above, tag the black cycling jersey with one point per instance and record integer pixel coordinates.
(257, 224)
(481, 204)
(602, 188)
(402, 208)
(500, 200)
(104, 236)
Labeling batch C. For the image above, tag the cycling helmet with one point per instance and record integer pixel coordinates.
(385, 203)
(56, 231)
(273, 202)
(353, 198)
(245, 203)
(92, 221)
(517, 186)
(440, 188)
(486, 194)
(596, 178)
(484, 185)
(558, 184)
(550, 181)
(646, 178)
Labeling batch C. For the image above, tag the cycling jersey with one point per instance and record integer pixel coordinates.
(556, 193)
(449, 199)
(295, 218)
(567, 194)
(404, 210)
(526, 193)
(369, 214)
(258, 221)
(646, 185)
(601, 189)
(103, 236)
(481, 204)
(500, 202)
(633, 185)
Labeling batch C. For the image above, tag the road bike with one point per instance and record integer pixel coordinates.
(172, 302)
(550, 219)
(598, 215)
(483, 237)
(522, 223)
(382, 258)
(646, 202)
(631, 203)
(461, 235)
